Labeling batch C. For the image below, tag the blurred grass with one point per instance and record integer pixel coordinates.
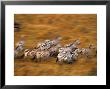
(39, 27)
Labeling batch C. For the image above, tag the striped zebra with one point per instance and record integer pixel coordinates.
(73, 46)
(88, 52)
(30, 53)
(76, 53)
(56, 41)
(42, 55)
(70, 47)
(44, 45)
(54, 50)
(67, 49)
(67, 56)
(19, 47)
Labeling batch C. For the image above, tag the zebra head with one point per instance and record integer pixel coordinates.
(59, 38)
(78, 50)
(76, 42)
(91, 46)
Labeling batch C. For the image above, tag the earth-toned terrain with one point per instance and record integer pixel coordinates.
(38, 27)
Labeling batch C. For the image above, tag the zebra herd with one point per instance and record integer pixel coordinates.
(52, 48)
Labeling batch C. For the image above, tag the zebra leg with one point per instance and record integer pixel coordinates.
(70, 62)
(36, 60)
(15, 54)
(22, 56)
(88, 56)
(33, 57)
(60, 62)
(57, 59)
(25, 56)
(39, 59)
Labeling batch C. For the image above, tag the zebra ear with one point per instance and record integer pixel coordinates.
(58, 37)
(74, 41)
(91, 46)
(34, 47)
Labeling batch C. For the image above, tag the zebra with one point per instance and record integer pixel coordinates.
(73, 46)
(76, 53)
(44, 45)
(68, 56)
(70, 47)
(54, 50)
(68, 50)
(65, 57)
(56, 41)
(62, 49)
(48, 42)
(19, 47)
(40, 55)
(88, 52)
(30, 53)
